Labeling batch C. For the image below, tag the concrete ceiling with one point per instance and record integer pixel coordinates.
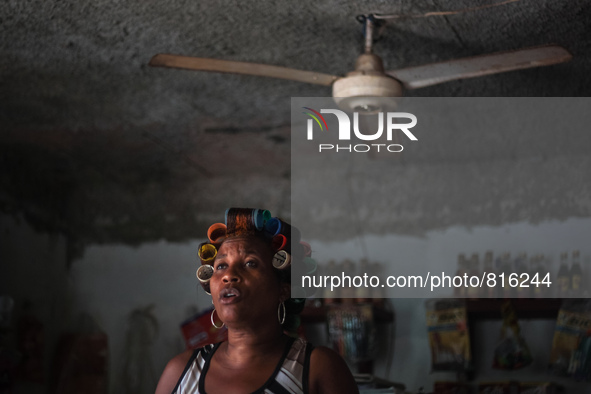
(98, 145)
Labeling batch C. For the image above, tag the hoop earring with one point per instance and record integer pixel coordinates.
(213, 321)
(279, 317)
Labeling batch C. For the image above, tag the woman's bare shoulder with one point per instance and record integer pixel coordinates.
(329, 373)
(172, 372)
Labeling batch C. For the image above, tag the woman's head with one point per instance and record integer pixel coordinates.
(245, 286)
(246, 266)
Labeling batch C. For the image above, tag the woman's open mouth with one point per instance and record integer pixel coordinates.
(229, 295)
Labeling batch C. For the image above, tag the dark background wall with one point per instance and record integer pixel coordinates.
(111, 170)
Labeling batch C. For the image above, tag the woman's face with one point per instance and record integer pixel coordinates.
(244, 286)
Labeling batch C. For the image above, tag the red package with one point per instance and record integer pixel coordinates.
(198, 331)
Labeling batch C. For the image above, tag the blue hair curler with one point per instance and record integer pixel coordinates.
(273, 227)
(260, 217)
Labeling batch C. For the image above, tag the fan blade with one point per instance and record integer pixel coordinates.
(476, 66)
(228, 66)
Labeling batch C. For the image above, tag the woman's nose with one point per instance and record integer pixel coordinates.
(231, 275)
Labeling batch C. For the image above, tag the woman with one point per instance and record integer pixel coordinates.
(250, 287)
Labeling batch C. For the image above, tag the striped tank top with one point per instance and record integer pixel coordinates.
(290, 375)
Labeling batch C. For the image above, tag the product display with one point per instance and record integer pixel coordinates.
(351, 331)
(512, 351)
(353, 291)
(199, 330)
(451, 388)
(514, 387)
(449, 338)
(523, 277)
(571, 347)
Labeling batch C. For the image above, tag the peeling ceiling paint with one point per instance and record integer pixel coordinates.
(100, 146)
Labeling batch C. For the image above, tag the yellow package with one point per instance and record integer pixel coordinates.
(449, 338)
(571, 350)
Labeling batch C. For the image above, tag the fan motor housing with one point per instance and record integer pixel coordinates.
(366, 87)
(366, 93)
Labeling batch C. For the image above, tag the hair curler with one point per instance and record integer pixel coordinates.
(281, 260)
(276, 226)
(310, 264)
(207, 253)
(278, 242)
(204, 273)
(260, 217)
(216, 232)
(307, 249)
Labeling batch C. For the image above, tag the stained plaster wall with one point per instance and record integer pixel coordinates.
(33, 273)
(536, 201)
(111, 281)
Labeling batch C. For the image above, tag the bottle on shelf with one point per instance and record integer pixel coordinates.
(563, 277)
(536, 275)
(586, 280)
(506, 269)
(521, 291)
(460, 292)
(363, 293)
(489, 268)
(545, 264)
(576, 275)
(330, 297)
(473, 270)
(378, 293)
(347, 289)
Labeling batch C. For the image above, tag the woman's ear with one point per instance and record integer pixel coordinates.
(285, 292)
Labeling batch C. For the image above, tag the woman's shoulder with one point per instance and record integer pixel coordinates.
(177, 365)
(329, 373)
(173, 371)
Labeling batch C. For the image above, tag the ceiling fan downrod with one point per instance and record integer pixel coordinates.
(369, 22)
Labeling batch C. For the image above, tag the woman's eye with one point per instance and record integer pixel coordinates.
(220, 266)
(251, 263)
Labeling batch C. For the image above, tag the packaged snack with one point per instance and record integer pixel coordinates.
(571, 346)
(451, 388)
(449, 338)
(498, 388)
(538, 388)
(351, 331)
(514, 387)
(512, 352)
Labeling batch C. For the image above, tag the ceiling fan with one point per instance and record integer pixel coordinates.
(361, 90)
